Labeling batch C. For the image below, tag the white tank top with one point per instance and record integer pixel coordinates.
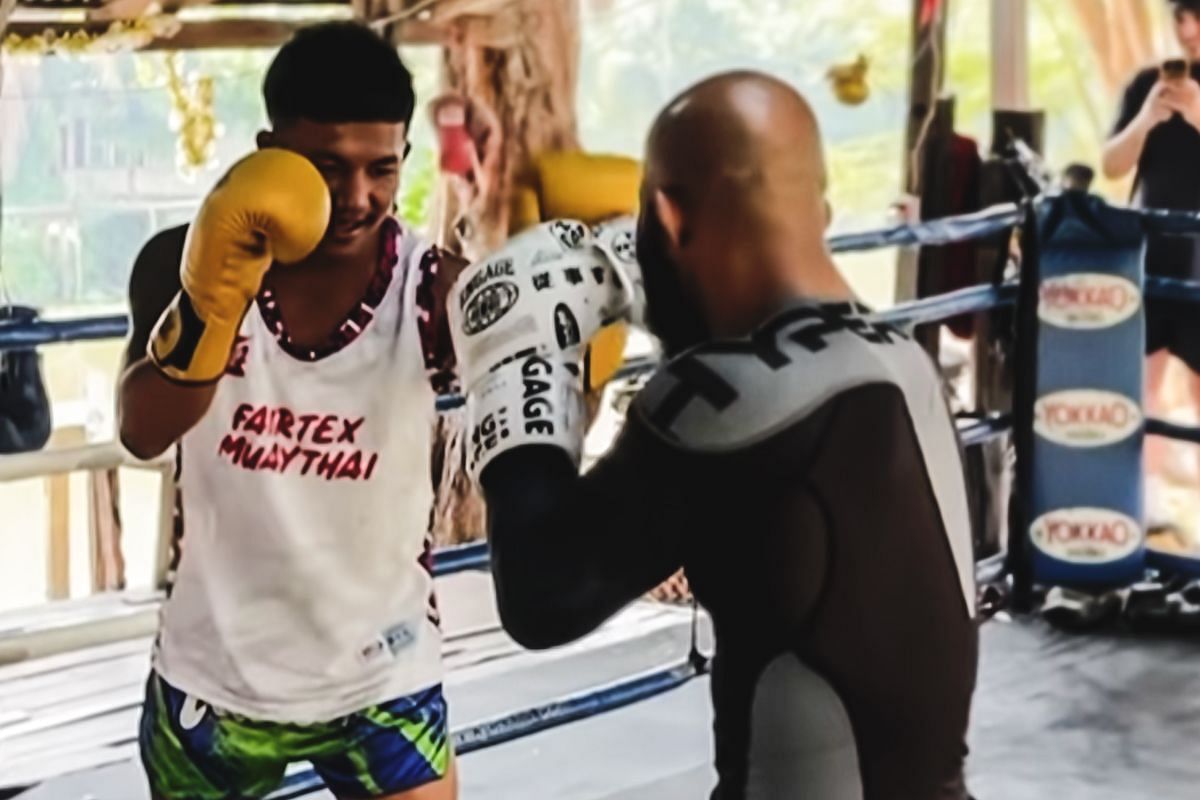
(303, 592)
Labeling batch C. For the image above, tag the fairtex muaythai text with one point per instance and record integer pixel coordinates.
(280, 440)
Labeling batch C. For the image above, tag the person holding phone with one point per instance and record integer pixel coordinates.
(1157, 133)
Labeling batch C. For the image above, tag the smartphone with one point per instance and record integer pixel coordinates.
(1174, 69)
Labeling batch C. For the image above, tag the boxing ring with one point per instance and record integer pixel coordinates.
(624, 713)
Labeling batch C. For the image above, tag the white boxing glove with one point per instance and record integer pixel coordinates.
(520, 320)
(618, 239)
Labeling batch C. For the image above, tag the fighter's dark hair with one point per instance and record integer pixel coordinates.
(338, 72)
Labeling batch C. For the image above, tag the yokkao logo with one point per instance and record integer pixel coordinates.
(1086, 535)
(1088, 301)
(1086, 417)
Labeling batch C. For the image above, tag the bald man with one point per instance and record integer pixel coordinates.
(796, 458)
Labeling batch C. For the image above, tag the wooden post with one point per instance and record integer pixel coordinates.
(937, 172)
(58, 491)
(170, 530)
(1010, 54)
(993, 356)
(58, 551)
(926, 79)
(104, 528)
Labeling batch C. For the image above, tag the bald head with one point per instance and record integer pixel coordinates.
(744, 139)
(733, 211)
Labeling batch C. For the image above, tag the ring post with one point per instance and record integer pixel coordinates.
(1083, 439)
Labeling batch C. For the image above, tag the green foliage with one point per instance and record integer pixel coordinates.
(419, 180)
(417, 190)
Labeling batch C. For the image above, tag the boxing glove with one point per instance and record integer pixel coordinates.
(521, 320)
(272, 206)
(592, 188)
(574, 185)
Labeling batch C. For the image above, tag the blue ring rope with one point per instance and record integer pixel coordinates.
(28, 335)
(460, 558)
(519, 724)
(973, 299)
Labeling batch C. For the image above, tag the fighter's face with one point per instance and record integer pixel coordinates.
(360, 162)
(672, 311)
(1187, 30)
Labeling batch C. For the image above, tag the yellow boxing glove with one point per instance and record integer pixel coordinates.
(590, 188)
(271, 206)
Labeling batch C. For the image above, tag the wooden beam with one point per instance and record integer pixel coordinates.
(494, 24)
(112, 10)
(448, 10)
(418, 32)
(231, 33)
(501, 32)
(249, 33)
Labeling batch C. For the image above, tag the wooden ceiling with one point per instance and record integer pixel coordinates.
(203, 24)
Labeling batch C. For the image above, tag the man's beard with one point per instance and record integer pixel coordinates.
(672, 314)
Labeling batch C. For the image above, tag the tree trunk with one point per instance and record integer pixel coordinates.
(526, 92)
(518, 70)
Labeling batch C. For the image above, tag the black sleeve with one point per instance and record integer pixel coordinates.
(1133, 98)
(153, 283)
(569, 551)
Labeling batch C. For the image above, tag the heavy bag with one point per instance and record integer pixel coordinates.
(24, 406)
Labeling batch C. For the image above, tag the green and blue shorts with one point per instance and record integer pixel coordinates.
(192, 751)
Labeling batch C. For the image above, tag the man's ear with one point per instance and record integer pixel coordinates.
(670, 216)
(828, 214)
(264, 139)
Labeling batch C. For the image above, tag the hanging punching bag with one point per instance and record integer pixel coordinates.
(24, 406)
